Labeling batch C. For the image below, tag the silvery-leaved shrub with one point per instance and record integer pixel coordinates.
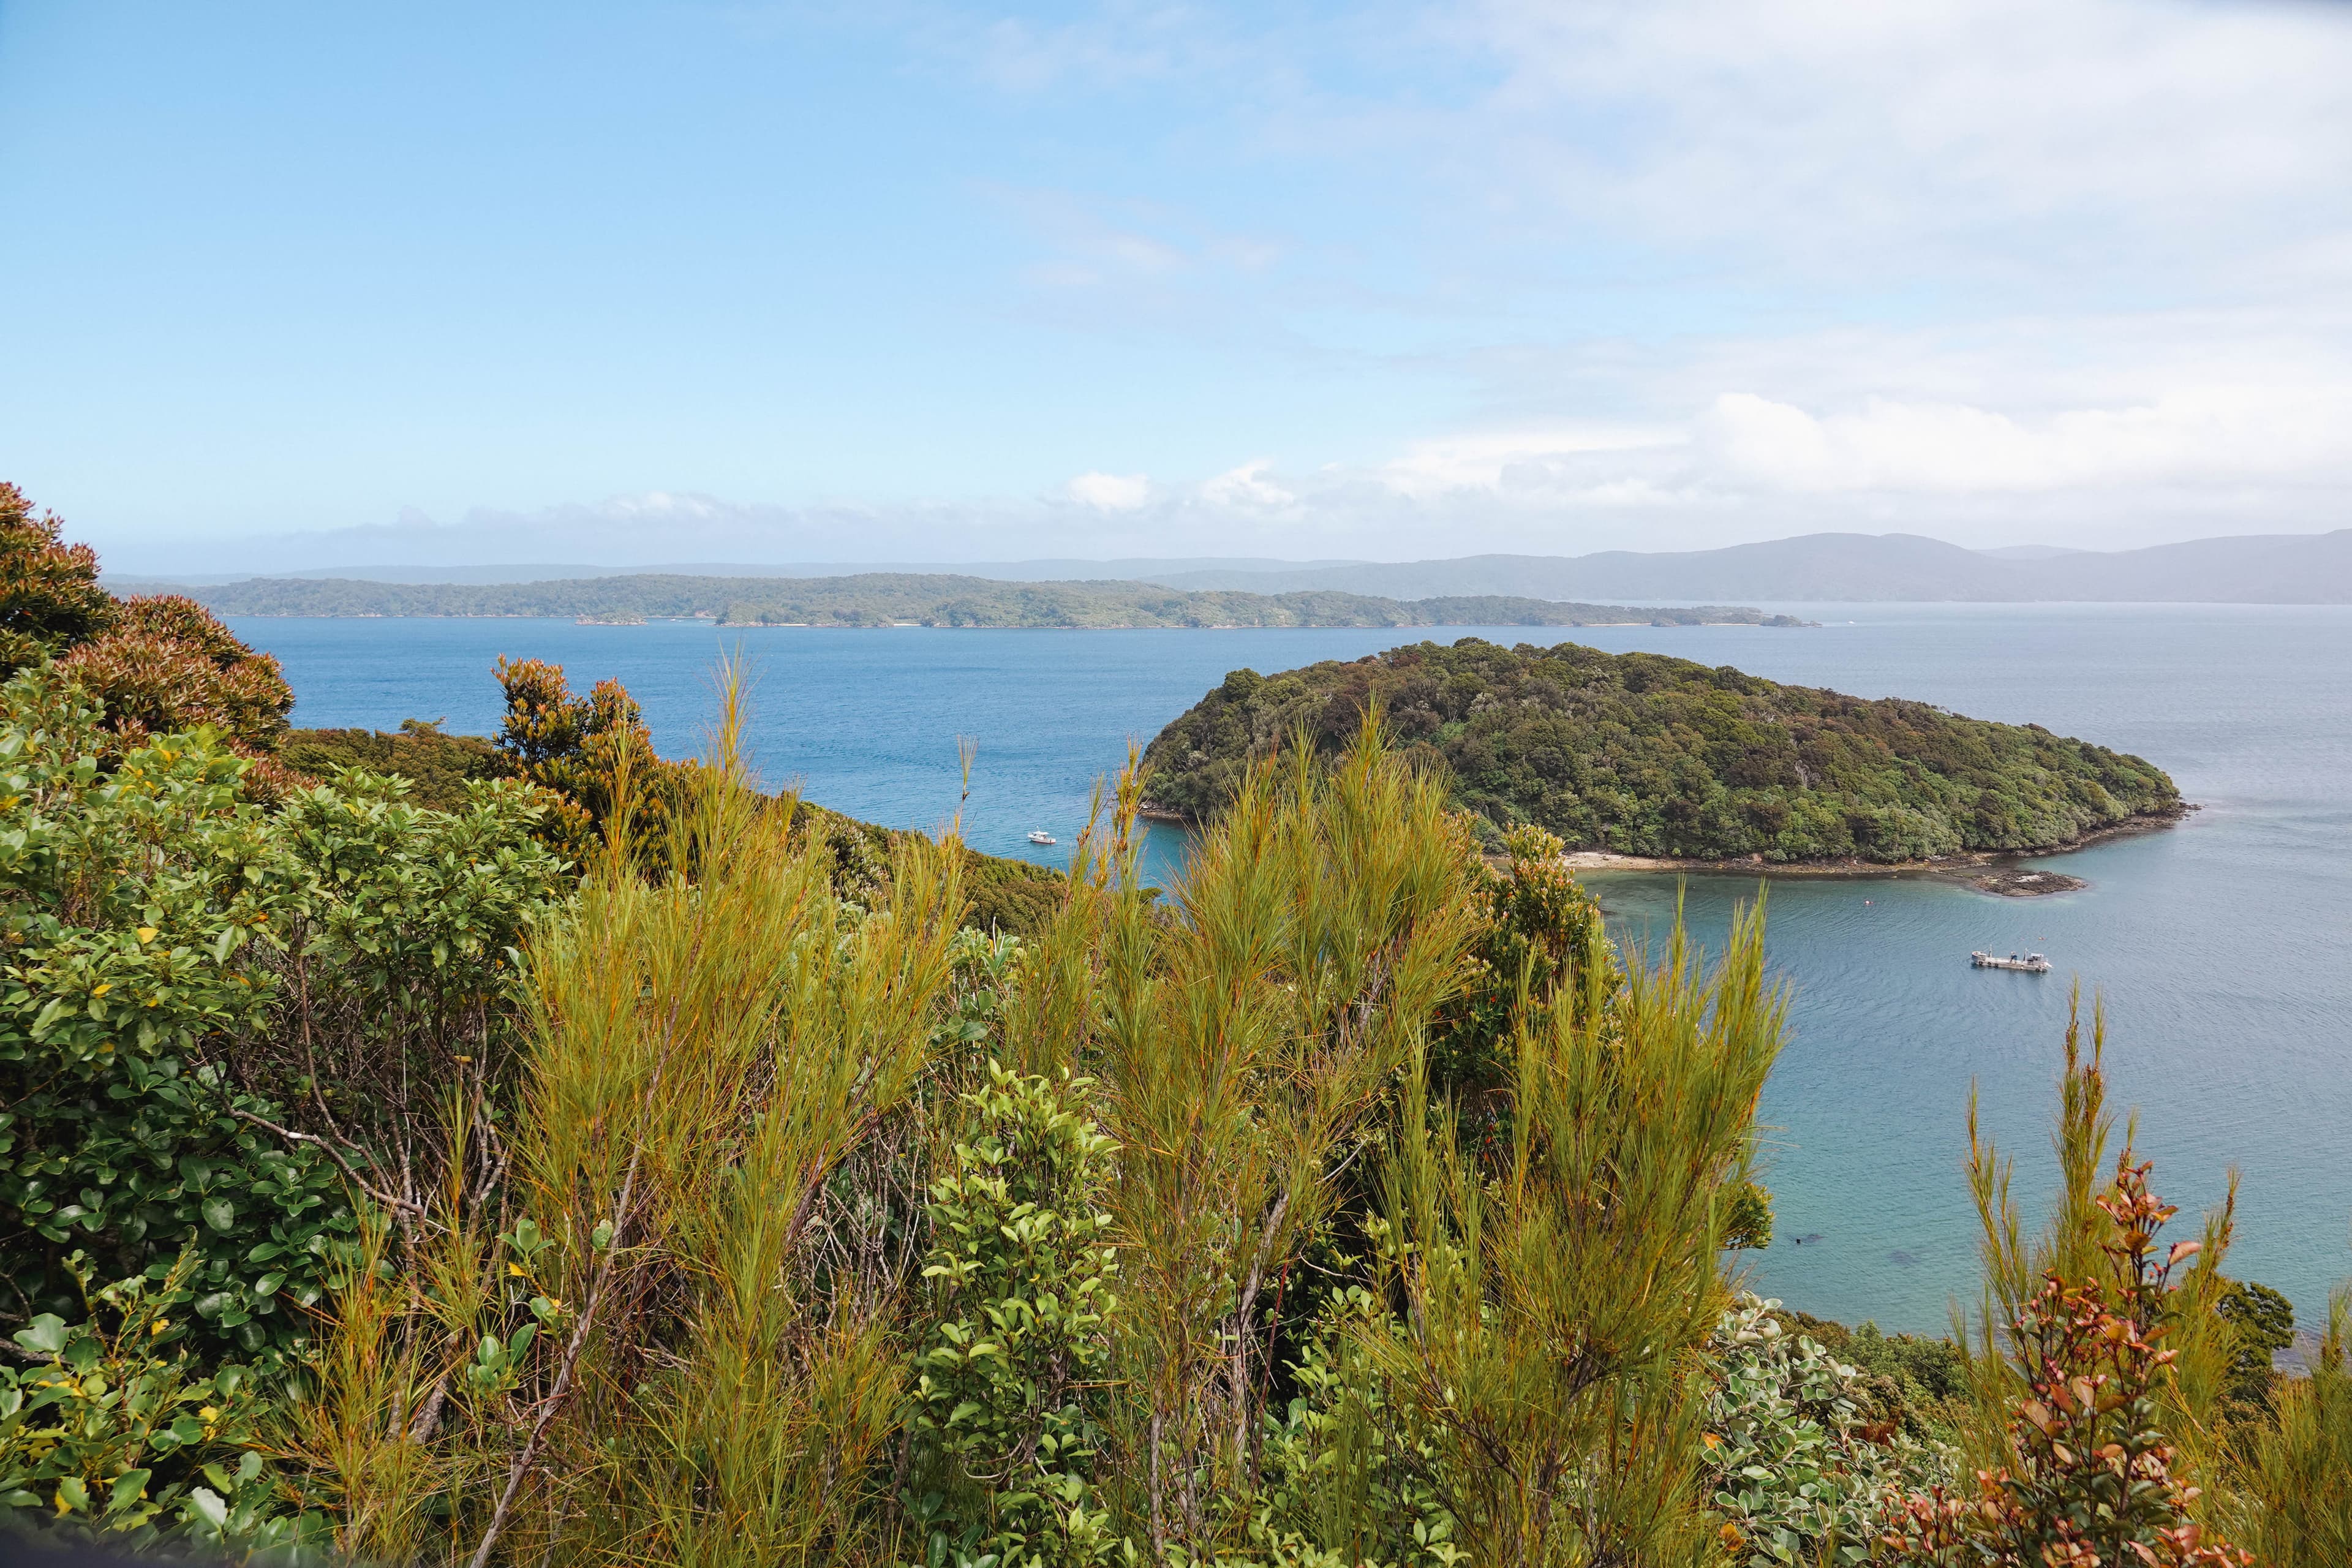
(1790, 1463)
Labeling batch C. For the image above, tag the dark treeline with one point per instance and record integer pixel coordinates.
(1644, 754)
(877, 599)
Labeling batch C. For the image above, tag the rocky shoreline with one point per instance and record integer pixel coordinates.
(2004, 872)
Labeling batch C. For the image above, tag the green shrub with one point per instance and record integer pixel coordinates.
(437, 766)
(133, 919)
(117, 1432)
(1008, 1393)
(177, 965)
(1792, 1461)
(1339, 1486)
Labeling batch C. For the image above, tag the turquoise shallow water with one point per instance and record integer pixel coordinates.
(2222, 948)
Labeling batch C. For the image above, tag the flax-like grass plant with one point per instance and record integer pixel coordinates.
(706, 1051)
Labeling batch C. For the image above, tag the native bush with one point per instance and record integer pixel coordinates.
(50, 596)
(2295, 1471)
(437, 766)
(164, 665)
(1335, 1491)
(2091, 1475)
(117, 1431)
(1010, 1383)
(137, 902)
(1650, 756)
(1553, 1313)
(2099, 1372)
(1354, 1205)
(177, 965)
(1798, 1472)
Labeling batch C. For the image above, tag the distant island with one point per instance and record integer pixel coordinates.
(883, 598)
(1646, 755)
(2245, 569)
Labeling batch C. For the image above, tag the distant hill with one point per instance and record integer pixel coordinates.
(891, 598)
(2285, 569)
(1644, 754)
(1052, 570)
(1854, 567)
(2289, 569)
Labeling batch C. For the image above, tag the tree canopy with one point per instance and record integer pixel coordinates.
(1644, 754)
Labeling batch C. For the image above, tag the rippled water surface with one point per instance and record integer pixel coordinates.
(2222, 948)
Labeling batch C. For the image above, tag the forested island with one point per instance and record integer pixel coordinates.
(1647, 755)
(888, 598)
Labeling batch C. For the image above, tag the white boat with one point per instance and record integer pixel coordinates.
(2031, 964)
(1042, 837)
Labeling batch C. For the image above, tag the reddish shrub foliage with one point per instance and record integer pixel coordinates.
(2091, 1483)
(167, 664)
(50, 596)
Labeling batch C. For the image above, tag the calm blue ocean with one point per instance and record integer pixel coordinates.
(2222, 949)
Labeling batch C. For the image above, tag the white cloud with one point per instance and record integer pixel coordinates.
(2207, 435)
(1514, 460)
(1110, 493)
(1997, 137)
(1249, 486)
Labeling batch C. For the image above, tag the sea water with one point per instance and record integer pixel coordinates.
(2220, 950)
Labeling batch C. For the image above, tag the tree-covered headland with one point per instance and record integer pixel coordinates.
(927, 599)
(1645, 754)
(379, 1183)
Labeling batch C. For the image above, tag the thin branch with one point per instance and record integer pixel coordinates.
(398, 1205)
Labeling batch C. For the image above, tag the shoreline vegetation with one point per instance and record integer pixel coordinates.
(2006, 872)
(430, 1150)
(1638, 761)
(898, 599)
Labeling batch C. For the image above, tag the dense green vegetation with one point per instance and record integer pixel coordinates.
(881, 599)
(614, 1163)
(437, 766)
(547, 740)
(1644, 754)
(370, 1189)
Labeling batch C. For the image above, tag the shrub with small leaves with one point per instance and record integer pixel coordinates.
(116, 1432)
(1340, 1486)
(1008, 1397)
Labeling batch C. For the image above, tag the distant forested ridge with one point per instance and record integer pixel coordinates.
(883, 598)
(1644, 754)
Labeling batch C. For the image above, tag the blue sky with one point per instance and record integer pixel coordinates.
(295, 285)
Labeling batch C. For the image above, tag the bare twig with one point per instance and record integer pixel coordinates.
(398, 1205)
